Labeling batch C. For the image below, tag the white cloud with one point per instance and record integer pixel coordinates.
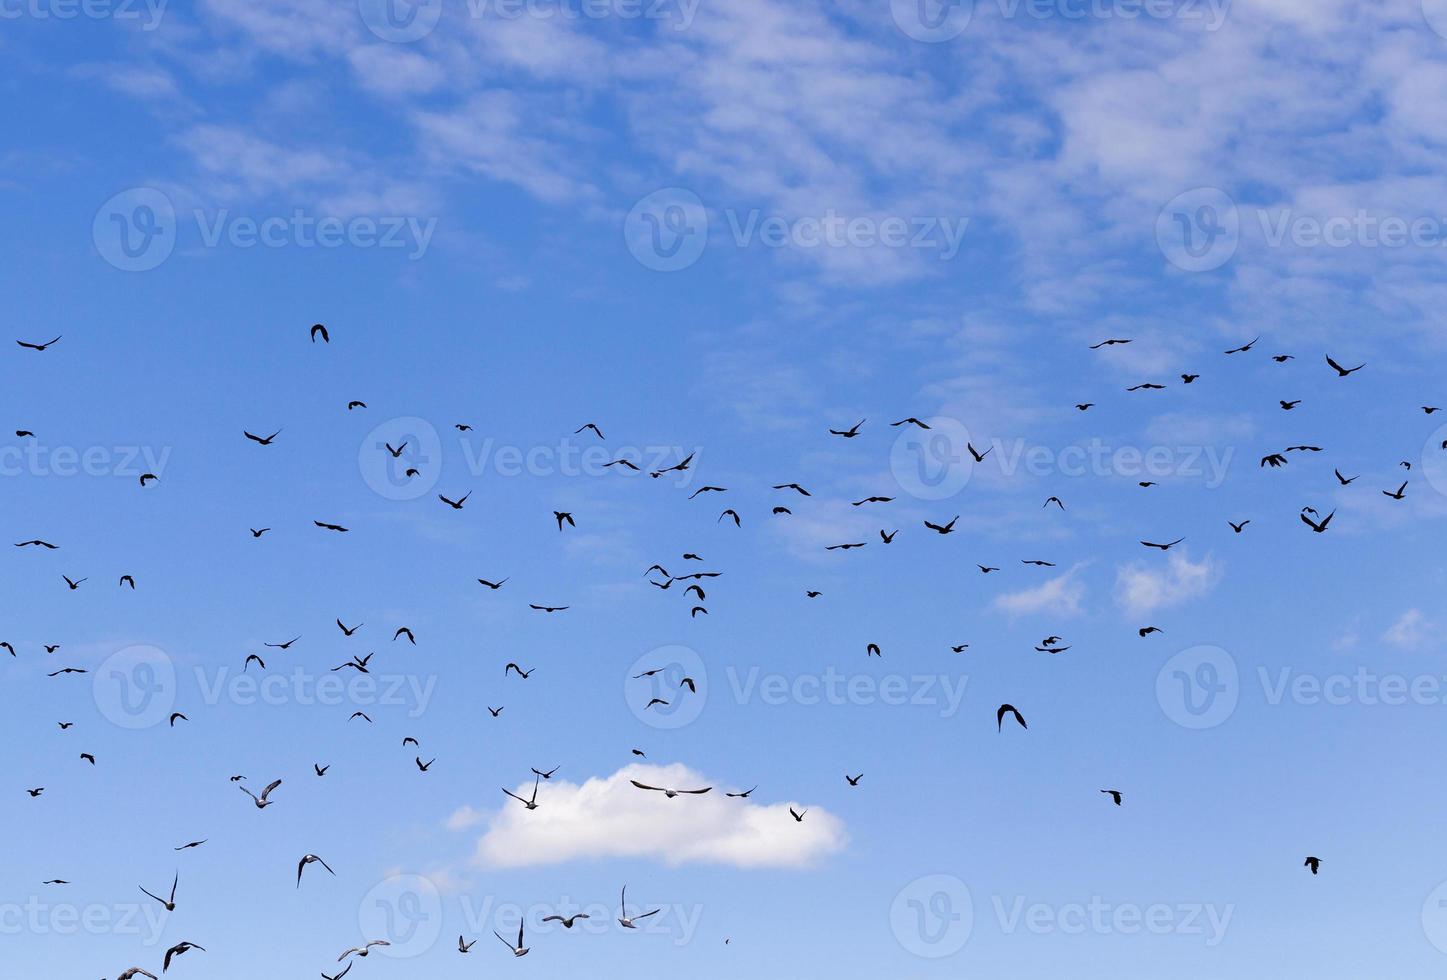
(1060, 596)
(608, 817)
(1141, 587)
(1410, 631)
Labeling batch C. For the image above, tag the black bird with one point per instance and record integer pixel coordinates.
(548, 774)
(177, 950)
(1275, 460)
(853, 780)
(909, 421)
(1114, 794)
(404, 631)
(1342, 372)
(1008, 709)
(148, 476)
(258, 532)
(328, 527)
(283, 646)
(744, 795)
(169, 903)
(798, 817)
(872, 650)
(260, 440)
(1288, 406)
(1314, 525)
(492, 585)
(1147, 630)
(848, 433)
(561, 515)
(589, 425)
(1146, 387)
(40, 347)
(792, 486)
(346, 631)
(1400, 493)
(1163, 547)
(495, 711)
(887, 538)
(1314, 863)
(844, 547)
(1189, 378)
(1282, 358)
(549, 609)
(730, 513)
(1084, 405)
(1037, 562)
(73, 584)
(871, 500)
(531, 804)
(524, 674)
(311, 859)
(455, 504)
(978, 456)
(320, 331)
(355, 404)
(707, 489)
(395, 453)
(1243, 349)
(1237, 527)
(1052, 500)
(1108, 343)
(943, 528)
(36, 542)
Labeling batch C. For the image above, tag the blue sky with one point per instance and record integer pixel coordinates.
(722, 231)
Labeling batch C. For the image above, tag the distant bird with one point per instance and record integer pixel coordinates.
(1342, 372)
(261, 801)
(320, 331)
(168, 903)
(589, 425)
(1113, 341)
(978, 457)
(1274, 460)
(1008, 709)
(310, 859)
(623, 918)
(548, 609)
(283, 646)
(355, 404)
(1189, 378)
(792, 486)
(707, 489)
(363, 949)
(492, 585)
(424, 766)
(348, 630)
(247, 662)
(871, 500)
(1282, 358)
(463, 947)
(887, 538)
(148, 476)
(1244, 348)
(1314, 863)
(127, 580)
(1399, 494)
(872, 650)
(531, 804)
(1343, 480)
(177, 716)
(404, 631)
(1084, 405)
(987, 569)
(330, 527)
(455, 504)
(561, 515)
(194, 843)
(909, 421)
(798, 817)
(853, 780)
(524, 674)
(1114, 794)
(1318, 527)
(1237, 527)
(567, 922)
(1145, 631)
(258, 532)
(1163, 547)
(495, 711)
(670, 793)
(1053, 500)
(849, 433)
(260, 440)
(959, 647)
(943, 528)
(1288, 406)
(38, 347)
(36, 542)
(548, 774)
(744, 795)
(730, 512)
(73, 584)
(1149, 386)
(320, 769)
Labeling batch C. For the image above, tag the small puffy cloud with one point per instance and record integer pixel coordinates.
(608, 817)
(1411, 630)
(1060, 596)
(1142, 587)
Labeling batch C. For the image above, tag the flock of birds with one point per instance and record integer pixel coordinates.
(692, 589)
